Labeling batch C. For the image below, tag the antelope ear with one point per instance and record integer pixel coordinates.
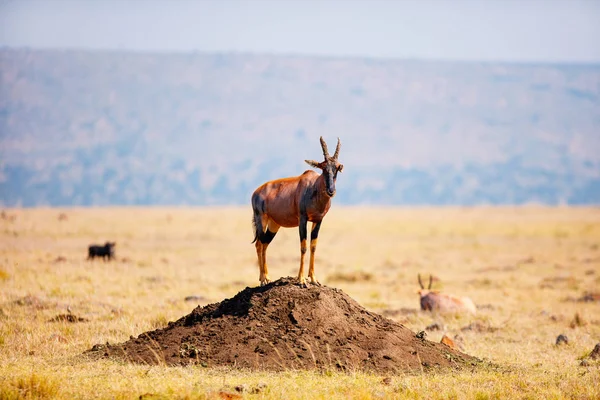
(312, 163)
(340, 168)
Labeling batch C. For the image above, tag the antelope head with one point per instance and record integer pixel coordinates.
(423, 291)
(330, 167)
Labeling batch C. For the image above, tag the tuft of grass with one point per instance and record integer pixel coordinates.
(160, 321)
(32, 386)
(4, 276)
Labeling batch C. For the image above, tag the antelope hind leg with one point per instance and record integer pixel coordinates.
(267, 238)
(263, 278)
(302, 230)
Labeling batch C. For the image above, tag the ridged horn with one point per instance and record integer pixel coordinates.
(337, 150)
(324, 146)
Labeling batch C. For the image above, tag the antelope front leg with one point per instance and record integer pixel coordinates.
(259, 254)
(314, 234)
(302, 228)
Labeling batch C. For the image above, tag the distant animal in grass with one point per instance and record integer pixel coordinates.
(107, 252)
(291, 202)
(8, 217)
(444, 303)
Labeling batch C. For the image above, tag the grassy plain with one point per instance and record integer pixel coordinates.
(524, 267)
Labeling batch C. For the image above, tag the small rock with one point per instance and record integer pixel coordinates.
(528, 260)
(448, 342)
(479, 327)
(241, 388)
(68, 318)
(589, 297)
(421, 335)
(595, 354)
(229, 396)
(434, 327)
(30, 301)
(194, 298)
(259, 388)
(562, 339)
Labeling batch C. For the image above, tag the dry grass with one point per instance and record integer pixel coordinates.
(523, 267)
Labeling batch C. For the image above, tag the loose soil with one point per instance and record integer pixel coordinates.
(284, 326)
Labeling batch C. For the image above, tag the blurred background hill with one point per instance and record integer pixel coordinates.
(98, 128)
(140, 127)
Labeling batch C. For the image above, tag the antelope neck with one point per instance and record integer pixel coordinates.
(322, 197)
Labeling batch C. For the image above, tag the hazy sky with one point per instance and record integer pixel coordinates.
(505, 30)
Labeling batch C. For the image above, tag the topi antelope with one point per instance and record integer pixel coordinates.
(291, 202)
(445, 303)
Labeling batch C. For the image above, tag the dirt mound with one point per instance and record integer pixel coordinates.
(282, 325)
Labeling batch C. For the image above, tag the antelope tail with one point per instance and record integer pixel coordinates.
(257, 225)
(258, 206)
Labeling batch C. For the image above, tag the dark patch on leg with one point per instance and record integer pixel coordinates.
(267, 237)
(315, 231)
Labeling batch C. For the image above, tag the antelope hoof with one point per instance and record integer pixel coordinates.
(302, 282)
(264, 281)
(314, 281)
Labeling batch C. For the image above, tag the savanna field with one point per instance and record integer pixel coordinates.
(533, 272)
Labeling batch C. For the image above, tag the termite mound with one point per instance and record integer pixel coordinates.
(283, 326)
